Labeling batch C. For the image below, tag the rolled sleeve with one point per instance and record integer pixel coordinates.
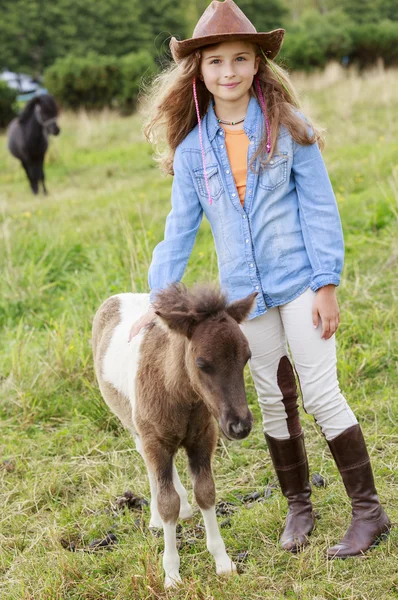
(319, 216)
(170, 257)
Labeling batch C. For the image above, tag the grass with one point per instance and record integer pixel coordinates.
(64, 458)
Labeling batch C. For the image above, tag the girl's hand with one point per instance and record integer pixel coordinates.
(326, 307)
(142, 322)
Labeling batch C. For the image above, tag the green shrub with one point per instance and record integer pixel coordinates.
(372, 41)
(316, 40)
(91, 82)
(7, 104)
(134, 67)
(95, 82)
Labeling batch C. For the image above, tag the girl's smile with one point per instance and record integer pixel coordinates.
(230, 85)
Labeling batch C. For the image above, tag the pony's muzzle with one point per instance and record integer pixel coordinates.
(238, 429)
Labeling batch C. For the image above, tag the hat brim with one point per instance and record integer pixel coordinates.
(270, 42)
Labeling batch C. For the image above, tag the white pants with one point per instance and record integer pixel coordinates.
(315, 364)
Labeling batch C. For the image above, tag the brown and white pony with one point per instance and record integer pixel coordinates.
(167, 386)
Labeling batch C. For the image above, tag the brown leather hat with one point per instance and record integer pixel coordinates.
(224, 22)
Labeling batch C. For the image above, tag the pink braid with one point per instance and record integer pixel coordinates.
(201, 140)
(262, 102)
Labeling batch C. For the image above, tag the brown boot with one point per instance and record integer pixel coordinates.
(369, 521)
(290, 462)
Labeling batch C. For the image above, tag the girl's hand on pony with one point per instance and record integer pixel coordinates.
(326, 308)
(142, 322)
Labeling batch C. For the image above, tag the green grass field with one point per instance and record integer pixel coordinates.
(64, 459)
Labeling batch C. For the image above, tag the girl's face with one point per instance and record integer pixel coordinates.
(227, 69)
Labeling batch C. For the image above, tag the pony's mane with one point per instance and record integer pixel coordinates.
(28, 110)
(201, 300)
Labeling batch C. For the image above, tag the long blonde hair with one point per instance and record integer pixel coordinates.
(169, 108)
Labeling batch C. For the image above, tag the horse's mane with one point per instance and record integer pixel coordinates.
(203, 300)
(27, 111)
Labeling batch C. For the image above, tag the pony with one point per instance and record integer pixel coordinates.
(28, 137)
(168, 386)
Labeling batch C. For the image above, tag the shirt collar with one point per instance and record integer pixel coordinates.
(250, 124)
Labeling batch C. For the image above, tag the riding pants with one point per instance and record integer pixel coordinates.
(269, 336)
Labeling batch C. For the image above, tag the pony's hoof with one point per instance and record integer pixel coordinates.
(172, 581)
(226, 567)
(186, 512)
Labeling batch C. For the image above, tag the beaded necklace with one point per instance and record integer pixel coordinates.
(227, 122)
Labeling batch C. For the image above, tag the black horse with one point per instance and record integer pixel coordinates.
(28, 136)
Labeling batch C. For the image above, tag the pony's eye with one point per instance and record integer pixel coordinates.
(203, 365)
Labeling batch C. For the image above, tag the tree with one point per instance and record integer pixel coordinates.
(34, 33)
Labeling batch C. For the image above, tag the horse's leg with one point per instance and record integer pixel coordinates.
(27, 167)
(34, 172)
(185, 508)
(42, 176)
(199, 455)
(155, 520)
(168, 500)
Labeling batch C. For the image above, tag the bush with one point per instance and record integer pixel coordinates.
(90, 82)
(8, 98)
(372, 41)
(133, 67)
(317, 40)
(95, 82)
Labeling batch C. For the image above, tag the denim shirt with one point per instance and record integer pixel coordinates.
(286, 238)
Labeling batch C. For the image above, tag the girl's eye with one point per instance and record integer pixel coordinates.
(240, 58)
(213, 62)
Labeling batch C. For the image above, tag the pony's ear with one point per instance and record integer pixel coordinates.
(178, 321)
(240, 309)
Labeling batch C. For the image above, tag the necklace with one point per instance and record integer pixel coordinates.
(227, 122)
(230, 122)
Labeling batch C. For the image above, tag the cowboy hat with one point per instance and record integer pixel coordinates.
(224, 22)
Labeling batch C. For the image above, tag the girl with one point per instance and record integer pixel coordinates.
(242, 153)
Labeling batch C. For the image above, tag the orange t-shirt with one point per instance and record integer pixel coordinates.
(237, 144)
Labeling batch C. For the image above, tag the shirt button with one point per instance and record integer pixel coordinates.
(271, 162)
(244, 216)
(233, 195)
(247, 241)
(250, 191)
(251, 264)
(228, 172)
(257, 287)
(221, 147)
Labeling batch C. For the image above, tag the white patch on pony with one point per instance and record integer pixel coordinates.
(120, 363)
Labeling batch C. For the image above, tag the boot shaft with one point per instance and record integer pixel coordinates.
(291, 465)
(352, 459)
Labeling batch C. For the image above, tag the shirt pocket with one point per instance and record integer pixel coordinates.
(214, 179)
(274, 173)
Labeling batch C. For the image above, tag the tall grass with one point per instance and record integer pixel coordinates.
(64, 458)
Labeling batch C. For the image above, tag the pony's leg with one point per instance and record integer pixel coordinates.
(155, 520)
(199, 455)
(185, 508)
(42, 177)
(30, 174)
(34, 176)
(168, 501)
